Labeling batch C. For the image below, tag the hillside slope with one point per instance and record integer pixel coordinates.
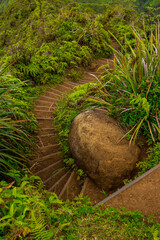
(42, 39)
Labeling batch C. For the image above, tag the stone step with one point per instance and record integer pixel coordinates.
(44, 162)
(91, 190)
(44, 131)
(58, 186)
(45, 122)
(41, 158)
(63, 88)
(53, 94)
(47, 150)
(43, 114)
(53, 155)
(48, 139)
(55, 91)
(71, 84)
(45, 108)
(72, 188)
(43, 103)
(54, 177)
(48, 99)
(49, 170)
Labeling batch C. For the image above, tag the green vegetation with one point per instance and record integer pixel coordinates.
(136, 76)
(152, 160)
(70, 106)
(140, 3)
(29, 212)
(130, 92)
(146, 3)
(4, 4)
(42, 43)
(16, 124)
(98, 6)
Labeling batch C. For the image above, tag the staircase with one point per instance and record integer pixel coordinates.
(48, 163)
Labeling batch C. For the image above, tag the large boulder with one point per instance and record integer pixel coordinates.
(95, 143)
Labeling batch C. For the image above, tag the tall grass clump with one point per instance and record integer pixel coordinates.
(134, 85)
(15, 124)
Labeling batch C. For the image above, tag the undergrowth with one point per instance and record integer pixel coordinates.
(29, 212)
(44, 41)
(17, 123)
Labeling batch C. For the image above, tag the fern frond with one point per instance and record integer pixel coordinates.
(39, 226)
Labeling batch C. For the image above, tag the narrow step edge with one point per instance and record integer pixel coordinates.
(67, 88)
(71, 84)
(84, 186)
(45, 111)
(43, 107)
(67, 183)
(51, 188)
(48, 146)
(128, 185)
(56, 93)
(46, 135)
(54, 89)
(44, 169)
(47, 156)
(44, 129)
(39, 100)
(42, 118)
(54, 175)
(44, 96)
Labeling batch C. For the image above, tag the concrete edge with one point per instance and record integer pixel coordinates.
(128, 185)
